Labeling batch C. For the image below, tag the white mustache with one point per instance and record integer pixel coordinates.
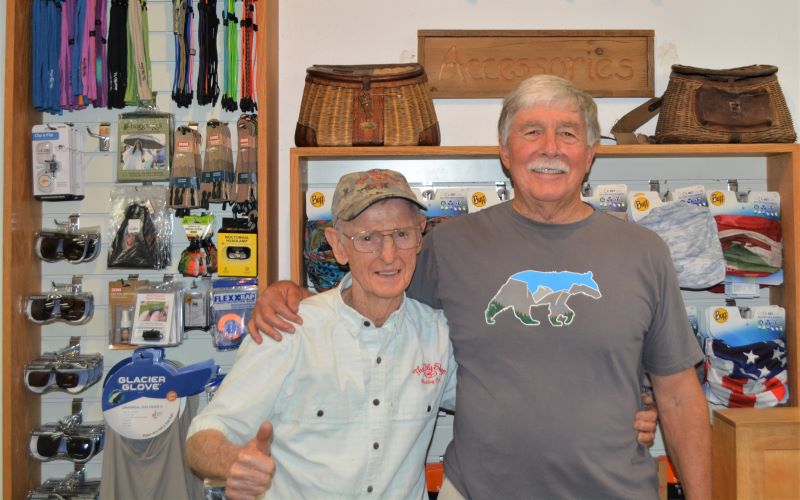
(549, 166)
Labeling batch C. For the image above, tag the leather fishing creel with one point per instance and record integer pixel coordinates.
(737, 105)
(367, 105)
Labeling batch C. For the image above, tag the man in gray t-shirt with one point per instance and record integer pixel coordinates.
(556, 312)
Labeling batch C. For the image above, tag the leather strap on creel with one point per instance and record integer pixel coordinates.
(624, 131)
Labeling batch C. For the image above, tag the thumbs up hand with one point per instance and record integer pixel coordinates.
(250, 475)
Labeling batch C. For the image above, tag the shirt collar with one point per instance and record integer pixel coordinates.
(355, 321)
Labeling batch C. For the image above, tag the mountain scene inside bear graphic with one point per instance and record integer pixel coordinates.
(528, 289)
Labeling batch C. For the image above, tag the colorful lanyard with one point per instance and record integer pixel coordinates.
(99, 68)
(207, 25)
(46, 41)
(182, 29)
(231, 80)
(117, 54)
(249, 28)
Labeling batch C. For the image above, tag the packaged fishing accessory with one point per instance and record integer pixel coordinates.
(144, 145)
(217, 178)
(196, 306)
(65, 302)
(158, 316)
(238, 248)
(195, 259)
(58, 171)
(122, 308)
(245, 193)
(68, 439)
(184, 183)
(65, 370)
(140, 228)
(232, 302)
(68, 242)
(144, 394)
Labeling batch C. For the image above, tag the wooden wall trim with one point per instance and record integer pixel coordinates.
(21, 269)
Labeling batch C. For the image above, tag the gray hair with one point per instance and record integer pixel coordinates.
(547, 90)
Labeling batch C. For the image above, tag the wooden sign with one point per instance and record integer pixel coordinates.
(489, 63)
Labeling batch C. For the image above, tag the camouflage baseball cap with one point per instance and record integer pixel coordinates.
(358, 190)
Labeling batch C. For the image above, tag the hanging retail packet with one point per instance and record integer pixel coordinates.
(232, 302)
(145, 146)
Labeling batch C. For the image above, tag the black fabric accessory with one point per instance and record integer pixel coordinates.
(117, 54)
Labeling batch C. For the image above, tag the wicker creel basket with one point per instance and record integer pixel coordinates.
(367, 105)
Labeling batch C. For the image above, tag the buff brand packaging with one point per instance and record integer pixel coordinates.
(145, 146)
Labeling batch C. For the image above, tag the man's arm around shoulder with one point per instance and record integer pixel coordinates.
(683, 413)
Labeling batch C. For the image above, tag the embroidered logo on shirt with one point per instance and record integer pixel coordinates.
(431, 373)
(528, 289)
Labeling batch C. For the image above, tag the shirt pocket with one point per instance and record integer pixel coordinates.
(419, 395)
(320, 404)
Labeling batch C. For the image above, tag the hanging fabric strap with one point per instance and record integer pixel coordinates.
(65, 56)
(88, 53)
(100, 42)
(207, 25)
(117, 54)
(46, 43)
(249, 29)
(230, 85)
(75, 46)
(182, 29)
(139, 84)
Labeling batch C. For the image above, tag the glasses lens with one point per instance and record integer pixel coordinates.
(47, 444)
(80, 447)
(75, 248)
(73, 309)
(92, 248)
(68, 380)
(41, 308)
(39, 378)
(48, 247)
(406, 237)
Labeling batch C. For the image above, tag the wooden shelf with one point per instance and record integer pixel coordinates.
(783, 175)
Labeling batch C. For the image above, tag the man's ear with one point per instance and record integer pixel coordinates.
(504, 156)
(334, 238)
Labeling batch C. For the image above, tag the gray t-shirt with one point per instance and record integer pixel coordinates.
(553, 327)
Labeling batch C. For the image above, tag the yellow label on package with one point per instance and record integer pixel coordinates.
(237, 254)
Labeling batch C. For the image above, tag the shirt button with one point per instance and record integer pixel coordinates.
(369, 489)
(378, 360)
(376, 402)
(375, 445)
(366, 323)
(429, 408)
(320, 413)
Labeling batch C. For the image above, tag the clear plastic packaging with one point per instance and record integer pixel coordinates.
(140, 229)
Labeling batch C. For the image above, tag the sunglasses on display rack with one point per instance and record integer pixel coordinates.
(72, 376)
(68, 242)
(52, 246)
(77, 444)
(74, 486)
(73, 308)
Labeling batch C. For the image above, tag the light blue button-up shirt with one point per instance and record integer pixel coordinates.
(353, 406)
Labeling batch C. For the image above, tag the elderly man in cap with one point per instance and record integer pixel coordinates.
(556, 313)
(347, 408)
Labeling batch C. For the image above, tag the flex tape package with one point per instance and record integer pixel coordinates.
(58, 170)
(144, 394)
(685, 224)
(232, 302)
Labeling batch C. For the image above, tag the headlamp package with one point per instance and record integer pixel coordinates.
(232, 302)
(58, 170)
(145, 140)
(238, 248)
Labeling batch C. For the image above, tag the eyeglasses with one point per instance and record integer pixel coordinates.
(46, 375)
(52, 246)
(77, 444)
(70, 308)
(404, 238)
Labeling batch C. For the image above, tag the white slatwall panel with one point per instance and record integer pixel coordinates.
(94, 210)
